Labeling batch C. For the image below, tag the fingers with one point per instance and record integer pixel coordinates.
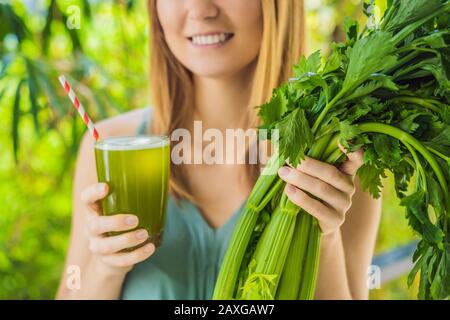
(354, 162)
(108, 249)
(329, 219)
(99, 225)
(316, 187)
(91, 195)
(114, 244)
(327, 173)
(128, 259)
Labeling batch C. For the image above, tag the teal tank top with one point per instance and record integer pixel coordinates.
(187, 263)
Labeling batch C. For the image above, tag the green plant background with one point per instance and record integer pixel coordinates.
(106, 62)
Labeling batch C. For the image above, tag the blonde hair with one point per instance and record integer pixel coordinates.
(172, 87)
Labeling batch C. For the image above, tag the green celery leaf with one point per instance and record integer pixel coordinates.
(274, 110)
(402, 177)
(369, 55)
(409, 123)
(440, 285)
(417, 214)
(295, 136)
(351, 29)
(435, 196)
(407, 12)
(437, 69)
(436, 40)
(419, 264)
(371, 86)
(333, 63)
(441, 142)
(347, 130)
(370, 179)
(307, 102)
(358, 111)
(310, 65)
(388, 149)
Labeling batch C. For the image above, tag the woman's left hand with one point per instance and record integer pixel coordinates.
(333, 186)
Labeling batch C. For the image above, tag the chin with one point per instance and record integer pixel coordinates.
(209, 71)
(216, 68)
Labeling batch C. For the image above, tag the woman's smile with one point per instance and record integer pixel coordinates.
(210, 39)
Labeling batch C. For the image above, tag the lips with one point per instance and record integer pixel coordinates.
(211, 38)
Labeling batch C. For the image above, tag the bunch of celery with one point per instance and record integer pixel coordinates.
(386, 90)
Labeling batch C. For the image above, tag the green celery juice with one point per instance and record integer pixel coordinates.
(137, 171)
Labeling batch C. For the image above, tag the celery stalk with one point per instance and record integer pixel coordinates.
(271, 252)
(273, 247)
(226, 282)
(311, 267)
(289, 285)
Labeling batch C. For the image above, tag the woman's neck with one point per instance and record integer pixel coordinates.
(222, 102)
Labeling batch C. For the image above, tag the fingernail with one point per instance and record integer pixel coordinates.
(101, 187)
(290, 189)
(141, 234)
(283, 171)
(149, 248)
(131, 220)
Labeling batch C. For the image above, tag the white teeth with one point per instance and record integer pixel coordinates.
(210, 39)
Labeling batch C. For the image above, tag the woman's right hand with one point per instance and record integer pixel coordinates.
(106, 250)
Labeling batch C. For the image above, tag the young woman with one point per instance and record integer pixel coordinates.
(214, 61)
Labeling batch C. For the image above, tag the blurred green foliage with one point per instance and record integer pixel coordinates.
(106, 61)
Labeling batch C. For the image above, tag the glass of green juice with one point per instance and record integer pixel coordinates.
(136, 169)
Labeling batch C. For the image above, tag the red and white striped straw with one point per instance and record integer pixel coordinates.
(79, 107)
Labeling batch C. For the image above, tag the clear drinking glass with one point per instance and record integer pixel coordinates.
(137, 169)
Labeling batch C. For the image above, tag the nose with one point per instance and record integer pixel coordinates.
(202, 10)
